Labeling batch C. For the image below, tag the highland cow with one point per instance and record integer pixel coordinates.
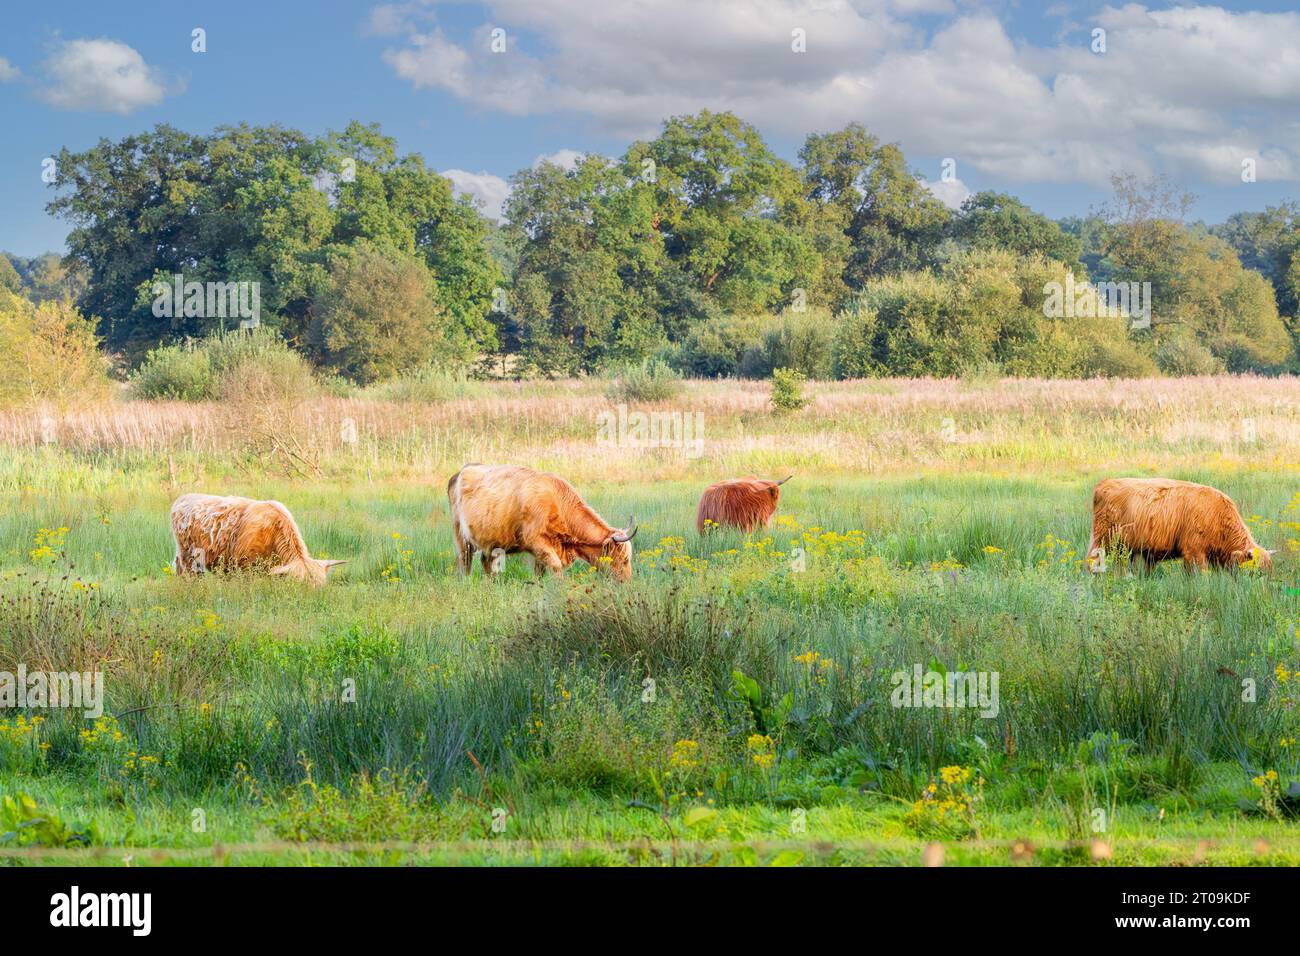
(745, 503)
(216, 533)
(1159, 518)
(501, 509)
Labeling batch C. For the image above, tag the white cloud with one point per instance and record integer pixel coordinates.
(8, 71)
(566, 159)
(1178, 90)
(100, 75)
(488, 191)
(951, 192)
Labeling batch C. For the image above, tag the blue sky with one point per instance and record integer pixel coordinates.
(1013, 93)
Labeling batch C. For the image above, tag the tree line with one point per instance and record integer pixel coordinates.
(700, 248)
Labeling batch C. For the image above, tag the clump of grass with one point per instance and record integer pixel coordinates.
(428, 384)
(653, 380)
(58, 624)
(660, 629)
(388, 806)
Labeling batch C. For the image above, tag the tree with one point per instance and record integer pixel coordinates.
(378, 315)
(893, 223)
(729, 210)
(264, 205)
(990, 220)
(49, 353)
(1199, 290)
(10, 280)
(1268, 242)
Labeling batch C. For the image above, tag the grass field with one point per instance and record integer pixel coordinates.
(731, 704)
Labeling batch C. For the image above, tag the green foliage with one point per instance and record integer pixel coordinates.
(9, 279)
(990, 220)
(979, 309)
(725, 347)
(378, 316)
(259, 204)
(24, 823)
(787, 390)
(698, 244)
(1180, 354)
(256, 366)
(650, 381)
(802, 341)
(49, 352)
(386, 807)
(181, 372)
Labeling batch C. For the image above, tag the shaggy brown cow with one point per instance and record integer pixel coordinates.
(744, 503)
(216, 533)
(1160, 518)
(501, 509)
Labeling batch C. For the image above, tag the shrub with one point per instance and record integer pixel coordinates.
(386, 806)
(49, 352)
(721, 348)
(1121, 359)
(803, 341)
(1181, 354)
(181, 372)
(650, 381)
(258, 366)
(787, 390)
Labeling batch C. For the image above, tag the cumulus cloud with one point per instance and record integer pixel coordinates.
(8, 71)
(566, 159)
(489, 192)
(951, 192)
(100, 75)
(1178, 90)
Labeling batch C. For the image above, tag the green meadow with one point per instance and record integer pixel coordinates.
(734, 703)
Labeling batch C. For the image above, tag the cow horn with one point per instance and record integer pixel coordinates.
(629, 534)
(785, 479)
(331, 562)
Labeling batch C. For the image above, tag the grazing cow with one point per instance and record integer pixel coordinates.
(744, 503)
(224, 533)
(501, 509)
(1160, 518)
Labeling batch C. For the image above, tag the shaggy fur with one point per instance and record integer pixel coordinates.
(745, 503)
(214, 533)
(501, 509)
(1160, 518)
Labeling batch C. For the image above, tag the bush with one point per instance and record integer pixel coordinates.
(650, 381)
(49, 352)
(1113, 359)
(787, 390)
(181, 372)
(1181, 354)
(258, 366)
(721, 348)
(803, 341)
(230, 366)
